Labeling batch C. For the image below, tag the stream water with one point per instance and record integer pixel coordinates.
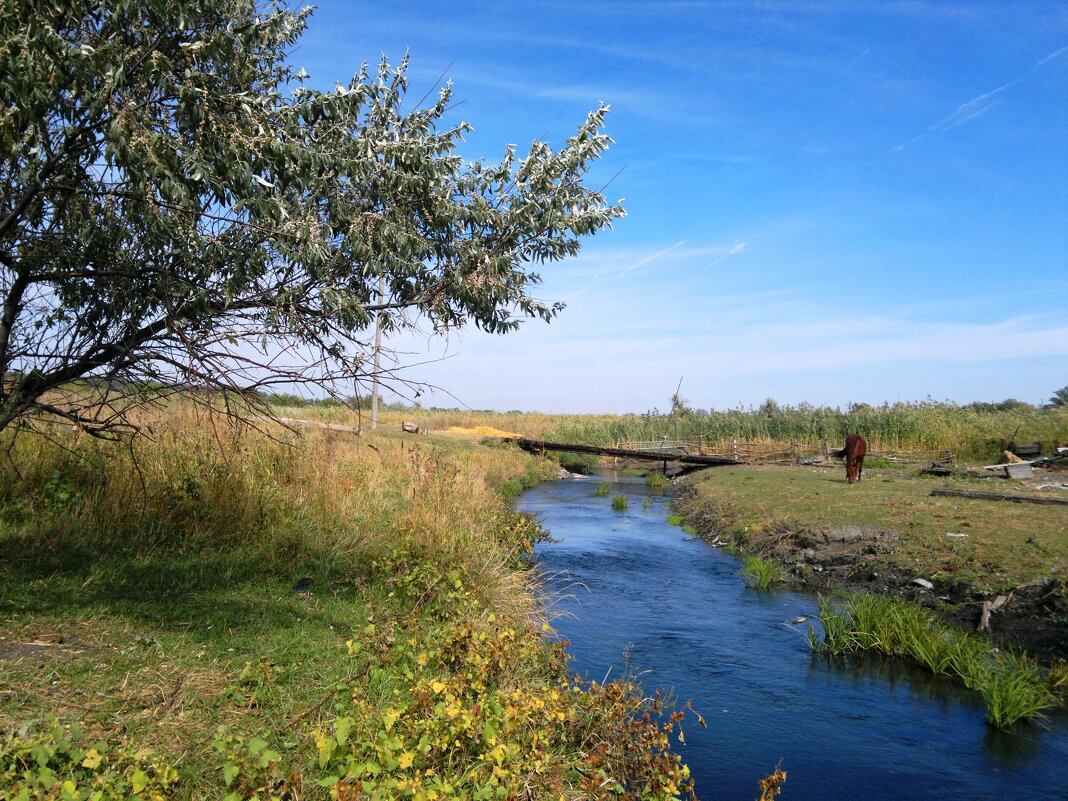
(639, 599)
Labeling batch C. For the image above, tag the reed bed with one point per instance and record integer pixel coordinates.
(973, 432)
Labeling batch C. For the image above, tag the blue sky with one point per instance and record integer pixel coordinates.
(832, 202)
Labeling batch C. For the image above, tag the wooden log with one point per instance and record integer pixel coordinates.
(537, 445)
(997, 496)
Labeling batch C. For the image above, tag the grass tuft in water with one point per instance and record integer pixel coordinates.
(761, 573)
(601, 489)
(656, 481)
(619, 503)
(1013, 687)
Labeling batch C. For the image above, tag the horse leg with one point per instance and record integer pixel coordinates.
(860, 467)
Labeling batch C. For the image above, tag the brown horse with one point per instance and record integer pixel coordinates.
(854, 451)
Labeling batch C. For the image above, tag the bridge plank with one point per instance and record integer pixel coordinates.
(668, 454)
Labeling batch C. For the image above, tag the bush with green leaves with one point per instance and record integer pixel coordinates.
(179, 204)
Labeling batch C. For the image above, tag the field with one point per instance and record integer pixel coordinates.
(212, 611)
(974, 433)
(215, 613)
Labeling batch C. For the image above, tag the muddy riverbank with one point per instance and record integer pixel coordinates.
(865, 557)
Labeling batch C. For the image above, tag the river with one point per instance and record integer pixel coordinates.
(638, 598)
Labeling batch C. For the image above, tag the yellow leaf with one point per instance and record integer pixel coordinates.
(437, 686)
(139, 781)
(92, 759)
(405, 760)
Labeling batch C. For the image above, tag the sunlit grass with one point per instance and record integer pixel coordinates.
(203, 585)
(761, 574)
(1013, 687)
(657, 481)
(1007, 544)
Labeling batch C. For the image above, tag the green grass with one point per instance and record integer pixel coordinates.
(602, 489)
(581, 463)
(1007, 544)
(1013, 687)
(225, 619)
(657, 481)
(620, 503)
(761, 574)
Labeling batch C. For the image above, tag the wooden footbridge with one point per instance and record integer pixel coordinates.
(676, 459)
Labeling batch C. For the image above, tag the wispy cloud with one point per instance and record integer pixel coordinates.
(680, 257)
(650, 259)
(743, 356)
(978, 106)
(607, 268)
(664, 108)
(733, 250)
(1054, 55)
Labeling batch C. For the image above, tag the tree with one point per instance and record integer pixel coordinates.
(1060, 398)
(179, 209)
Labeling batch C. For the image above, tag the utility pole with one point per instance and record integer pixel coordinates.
(378, 349)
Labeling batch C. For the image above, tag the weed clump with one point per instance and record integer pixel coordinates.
(1013, 687)
(761, 574)
(656, 481)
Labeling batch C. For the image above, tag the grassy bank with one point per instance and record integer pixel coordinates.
(213, 613)
(999, 545)
(876, 538)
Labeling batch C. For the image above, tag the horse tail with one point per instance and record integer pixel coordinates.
(838, 454)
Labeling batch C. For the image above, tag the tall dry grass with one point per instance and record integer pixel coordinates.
(197, 484)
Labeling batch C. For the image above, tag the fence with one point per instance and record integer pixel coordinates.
(775, 452)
